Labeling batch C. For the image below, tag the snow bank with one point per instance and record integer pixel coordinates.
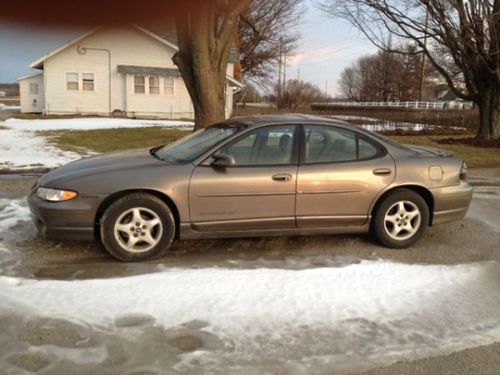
(370, 310)
(21, 148)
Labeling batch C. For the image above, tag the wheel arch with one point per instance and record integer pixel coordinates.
(114, 196)
(425, 193)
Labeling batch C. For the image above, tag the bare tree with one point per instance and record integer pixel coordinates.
(466, 31)
(296, 93)
(265, 29)
(383, 76)
(205, 36)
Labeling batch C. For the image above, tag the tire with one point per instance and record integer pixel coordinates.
(401, 219)
(137, 227)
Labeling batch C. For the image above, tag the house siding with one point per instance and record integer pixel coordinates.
(31, 103)
(127, 46)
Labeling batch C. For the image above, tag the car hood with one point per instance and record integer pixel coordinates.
(113, 161)
(428, 151)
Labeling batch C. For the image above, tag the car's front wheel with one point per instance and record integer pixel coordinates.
(401, 219)
(136, 227)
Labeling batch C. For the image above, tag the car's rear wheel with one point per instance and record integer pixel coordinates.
(136, 227)
(401, 219)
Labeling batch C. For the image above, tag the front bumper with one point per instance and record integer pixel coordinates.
(451, 202)
(70, 220)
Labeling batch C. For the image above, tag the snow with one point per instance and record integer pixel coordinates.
(21, 148)
(5, 107)
(12, 211)
(91, 123)
(379, 308)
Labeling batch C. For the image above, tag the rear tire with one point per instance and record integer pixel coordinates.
(137, 227)
(401, 219)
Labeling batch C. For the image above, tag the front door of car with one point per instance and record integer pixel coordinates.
(257, 192)
(340, 174)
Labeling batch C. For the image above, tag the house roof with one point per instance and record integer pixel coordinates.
(38, 64)
(29, 76)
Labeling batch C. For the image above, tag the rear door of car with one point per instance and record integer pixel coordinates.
(258, 192)
(340, 174)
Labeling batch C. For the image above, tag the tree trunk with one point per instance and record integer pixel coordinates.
(205, 36)
(489, 112)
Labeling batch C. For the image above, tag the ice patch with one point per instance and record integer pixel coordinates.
(320, 317)
(12, 211)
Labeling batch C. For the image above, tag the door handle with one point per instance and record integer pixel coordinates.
(382, 171)
(282, 177)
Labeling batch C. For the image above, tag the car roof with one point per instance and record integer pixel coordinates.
(291, 118)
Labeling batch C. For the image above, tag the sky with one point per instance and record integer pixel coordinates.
(327, 46)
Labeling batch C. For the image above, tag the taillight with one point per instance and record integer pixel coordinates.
(463, 171)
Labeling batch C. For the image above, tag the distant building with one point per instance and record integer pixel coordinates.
(125, 70)
(2, 94)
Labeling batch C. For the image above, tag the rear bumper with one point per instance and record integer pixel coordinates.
(70, 220)
(451, 203)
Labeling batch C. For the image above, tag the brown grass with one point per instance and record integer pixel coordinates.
(474, 156)
(105, 140)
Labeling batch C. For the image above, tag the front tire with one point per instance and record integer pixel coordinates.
(401, 219)
(137, 227)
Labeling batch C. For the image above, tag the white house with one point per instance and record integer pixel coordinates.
(106, 71)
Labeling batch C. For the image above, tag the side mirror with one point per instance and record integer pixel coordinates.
(222, 160)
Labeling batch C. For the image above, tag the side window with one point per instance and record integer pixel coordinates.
(326, 144)
(88, 81)
(154, 84)
(72, 81)
(367, 150)
(139, 84)
(34, 88)
(266, 146)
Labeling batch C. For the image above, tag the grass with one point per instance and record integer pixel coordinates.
(106, 140)
(3, 127)
(474, 156)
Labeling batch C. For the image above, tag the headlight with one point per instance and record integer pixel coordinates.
(55, 195)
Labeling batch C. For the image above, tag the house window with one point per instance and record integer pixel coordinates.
(88, 81)
(34, 88)
(168, 86)
(139, 84)
(72, 81)
(154, 84)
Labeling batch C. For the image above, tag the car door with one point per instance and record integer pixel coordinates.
(257, 192)
(340, 174)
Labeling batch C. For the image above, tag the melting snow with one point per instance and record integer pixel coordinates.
(21, 148)
(372, 310)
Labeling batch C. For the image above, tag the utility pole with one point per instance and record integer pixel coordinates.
(422, 67)
(278, 99)
(298, 73)
(326, 89)
(284, 76)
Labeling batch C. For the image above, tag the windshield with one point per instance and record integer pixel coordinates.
(196, 144)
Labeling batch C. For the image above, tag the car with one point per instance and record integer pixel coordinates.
(253, 176)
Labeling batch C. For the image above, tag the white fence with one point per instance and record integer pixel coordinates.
(411, 105)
